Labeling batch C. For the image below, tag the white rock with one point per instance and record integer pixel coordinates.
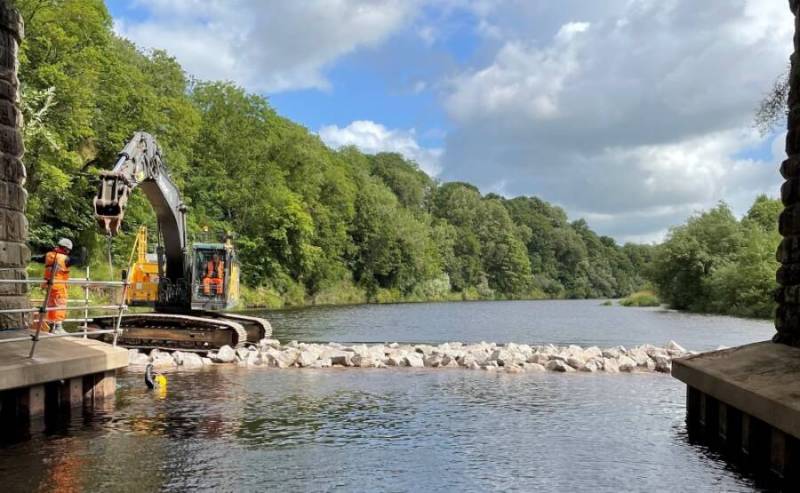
(395, 360)
(308, 356)
(611, 365)
(639, 356)
(178, 357)
(592, 365)
(539, 358)
(162, 360)
(466, 360)
(365, 361)
(207, 361)
(663, 364)
(288, 357)
(414, 360)
(321, 363)
(559, 366)
(535, 367)
(338, 357)
(627, 364)
(424, 349)
(574, 362)
(191, 360)
(265, 343)
(592, 352)
(254, 358)
(226, 354)
(674, 346)
(506, 356)
(611, 353)
(432, 361)
(241, 353)
(449, 361)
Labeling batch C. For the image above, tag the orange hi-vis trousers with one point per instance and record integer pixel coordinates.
(216, 282)
(58, 292)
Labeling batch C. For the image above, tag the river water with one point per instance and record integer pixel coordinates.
(401, 429)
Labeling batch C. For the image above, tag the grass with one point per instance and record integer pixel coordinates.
(641, 298)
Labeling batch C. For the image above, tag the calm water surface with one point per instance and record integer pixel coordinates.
(402, 430)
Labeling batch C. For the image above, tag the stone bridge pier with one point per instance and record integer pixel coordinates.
(14, 253)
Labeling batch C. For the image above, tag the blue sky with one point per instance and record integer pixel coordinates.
(632, 114)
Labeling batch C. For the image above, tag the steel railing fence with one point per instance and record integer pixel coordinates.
(86, 306)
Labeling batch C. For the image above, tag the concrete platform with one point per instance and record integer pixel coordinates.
(55, 360)
(761, 380)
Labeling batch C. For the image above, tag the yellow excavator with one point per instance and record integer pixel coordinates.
(142, 272)
(195, 283)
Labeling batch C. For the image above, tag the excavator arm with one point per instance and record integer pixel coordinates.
(140, 164)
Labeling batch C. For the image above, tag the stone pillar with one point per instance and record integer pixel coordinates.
(14, 254)
(787, 317)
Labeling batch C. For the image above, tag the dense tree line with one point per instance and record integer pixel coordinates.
(715, 263)
(312, 224)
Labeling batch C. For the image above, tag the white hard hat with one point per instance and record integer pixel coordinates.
(66, 243)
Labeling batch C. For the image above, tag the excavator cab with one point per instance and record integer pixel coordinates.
(215, 276)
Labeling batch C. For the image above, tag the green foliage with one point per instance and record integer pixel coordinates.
(641, 298)
(715, 263)
(312, 225)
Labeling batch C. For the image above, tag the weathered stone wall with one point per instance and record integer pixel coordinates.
(14, 253)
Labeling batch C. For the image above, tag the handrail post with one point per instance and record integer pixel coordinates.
(43, 308)
(86, 302)
(122, 306)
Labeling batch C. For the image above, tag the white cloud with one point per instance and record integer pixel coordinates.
(373, 138)
(265, 46)
(510, 84)
(634, 117)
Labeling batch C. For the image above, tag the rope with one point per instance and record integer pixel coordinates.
(110, 261)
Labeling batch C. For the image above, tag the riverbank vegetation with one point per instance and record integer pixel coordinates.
(645, 297)
(717, 264)
(312, 224)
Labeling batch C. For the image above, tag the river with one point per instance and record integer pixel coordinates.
(402, 429)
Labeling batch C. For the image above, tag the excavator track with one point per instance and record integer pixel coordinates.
(257, 328)
(175, 331)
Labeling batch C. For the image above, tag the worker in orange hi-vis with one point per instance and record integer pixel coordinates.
(56, 267)
(215, 275)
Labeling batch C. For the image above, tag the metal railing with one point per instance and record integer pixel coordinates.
(45, 307)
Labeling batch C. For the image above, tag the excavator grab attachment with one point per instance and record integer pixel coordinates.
(110, 202)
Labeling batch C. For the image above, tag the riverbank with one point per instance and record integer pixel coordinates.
(511, 357)
(349, 294)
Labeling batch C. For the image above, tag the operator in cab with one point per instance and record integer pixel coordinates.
(56, 267)
(214, 275)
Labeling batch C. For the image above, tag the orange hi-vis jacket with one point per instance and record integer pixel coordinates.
(219, 268)
(58, 293)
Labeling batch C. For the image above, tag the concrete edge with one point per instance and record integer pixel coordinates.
(716, 385)
(96, 357)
